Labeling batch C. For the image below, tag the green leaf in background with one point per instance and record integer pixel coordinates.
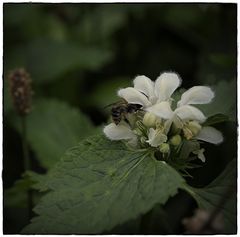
(220, 195)
(222, 60)
(54, 126)
(46, 59)
(100, 184)
(224, 101)
(217, 118)
(106, 93)
(16, 196)
(39, 181)
(100, 23)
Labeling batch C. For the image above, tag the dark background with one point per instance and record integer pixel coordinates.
(82, 53)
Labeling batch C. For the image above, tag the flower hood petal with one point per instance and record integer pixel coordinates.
(166, 84)
(134, 96)
(144, 85)
(118, 132)
(188, 112)
(162, 110)
(196, 95)
(211, 135)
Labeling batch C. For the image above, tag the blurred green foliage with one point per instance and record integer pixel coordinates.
(209, 196)
(65, 127)
(79, 55)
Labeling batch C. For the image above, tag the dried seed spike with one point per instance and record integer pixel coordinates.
(21, 90)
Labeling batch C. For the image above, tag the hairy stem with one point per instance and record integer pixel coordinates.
(26, 159)
(27, 162)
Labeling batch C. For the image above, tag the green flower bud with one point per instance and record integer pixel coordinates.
(176, 140)
(149, 120)
(195, 127)
(175, 129)
(164, 147)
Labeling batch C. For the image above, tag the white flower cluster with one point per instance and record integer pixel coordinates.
(161, 122)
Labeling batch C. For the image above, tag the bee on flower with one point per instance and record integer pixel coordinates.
(162, 124)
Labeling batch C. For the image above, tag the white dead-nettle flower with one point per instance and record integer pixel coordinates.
(155, 98)
(148, 93)
(186, 112)
(119, 132)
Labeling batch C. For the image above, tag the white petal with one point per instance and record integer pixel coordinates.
(200, 154)
(210, 134)
(156, 138)
(133, 96)
(152, 133)
(162, 110)
(118, 132)
(188, 112)
(166, 84)
(133, 142)
(197, 95)
(167, 125)
(145, 85)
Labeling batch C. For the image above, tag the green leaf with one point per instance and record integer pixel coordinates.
(109, 18)
(224, 101)
(54, 126)
(220, 195)
(217, 118)
(106, 93)
(187, 148)
(100, 184)
(39, 181)
(16, 196)
(181, 158)
(50, 59)
(222, 60)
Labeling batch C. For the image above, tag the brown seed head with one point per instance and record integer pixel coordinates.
(21, 90)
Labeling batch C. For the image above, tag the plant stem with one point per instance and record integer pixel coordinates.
(27, 162)
(26, 159)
